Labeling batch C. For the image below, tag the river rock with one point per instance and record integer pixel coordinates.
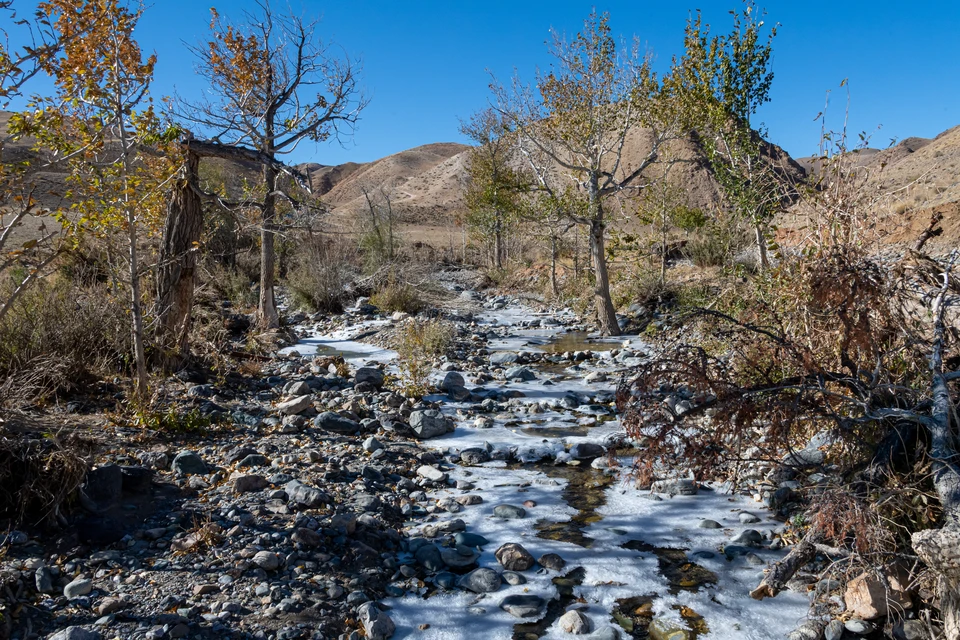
(587, 451)
(451, 381)
(867, 598)
(249, 482)
(295, 406)
(459, 557)
(431, 473)
(75, 633)
(524, 606)
(430, 423)
(370, 375)
(522, 374)
(514, 557)
(509, 512)
(377, 625)
(504, 357)
(267, 560)
(304, 495)
(513, 578)
(429, 556)
(330, 421)
(574, 622)
(481, 580)
(78, 587)
(710, 524)
(465, 539)
(189, 463)
(552, 561)
(474, 455)
(664, 629)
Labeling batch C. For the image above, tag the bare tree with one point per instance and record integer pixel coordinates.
(578, 124)
(273, 84)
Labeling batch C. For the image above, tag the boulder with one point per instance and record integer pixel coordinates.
(504, 357)
(295, 406)
(430, 424)
(377, 625)
(102, 488)
(451, 381)
(371, 376)
(304, 495)
(334, 422)
(509, 512)
(522, 374)
(513, 557)
(481, 580)
(524, 606)
(189, 463)
(867, 598)
(574, 622)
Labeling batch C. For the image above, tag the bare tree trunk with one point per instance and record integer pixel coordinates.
(497, 242)
(553, 266)
(176, 277)
(268, 318)
(762, 245)
(142, 387)
(606, 313)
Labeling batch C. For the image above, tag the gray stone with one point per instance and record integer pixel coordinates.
(748, 518)
(522, 374)
(859, 627)
(267, 560)
(75, 633)
(750, 537)
(481, 580)
(429, 556)
(524, 606)
(371, 444)
(676, 486)
(430, 424)
(504, 357)
(78, 587)
(474, 455)
(552, 561)
(189, 463)
(513, 578)
(459, 557)
(470, 539)
(509, 512)
(431, 473)
(710, 524)
(249, 482)
(574, 622)
(44, 580)
(833, 630)
(330, 421)
(307, 496)
(307, 537)
(377, 625)
(809, 630)
(295, 406)
(451, 381)
(370, 375)
(514, 557)
(587, 451)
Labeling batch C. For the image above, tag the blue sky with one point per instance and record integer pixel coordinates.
(426, 63)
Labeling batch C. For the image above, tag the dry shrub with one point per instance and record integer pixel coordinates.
(60, 336)
(397, 296)
(419, 342)
(321, 274)
(39, 474)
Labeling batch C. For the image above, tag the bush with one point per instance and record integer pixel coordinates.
(397, 297)
(716, 243)
(320, 275)
(59, 336)
(420, 342)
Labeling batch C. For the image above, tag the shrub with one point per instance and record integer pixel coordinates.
(397, 297)
(58, 336)
(320, 275)
(420, 342)
(716, 243)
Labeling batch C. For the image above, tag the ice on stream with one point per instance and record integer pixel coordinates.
(612, 572)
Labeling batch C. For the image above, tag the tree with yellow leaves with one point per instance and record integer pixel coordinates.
(274, 85)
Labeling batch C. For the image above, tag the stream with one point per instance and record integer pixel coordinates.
(637, 564)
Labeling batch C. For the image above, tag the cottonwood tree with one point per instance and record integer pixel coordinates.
(726, 79)
(495, 186)
(577, 123)
(100, 123)
(272, 85)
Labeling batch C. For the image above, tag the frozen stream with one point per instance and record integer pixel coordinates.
(643, 556)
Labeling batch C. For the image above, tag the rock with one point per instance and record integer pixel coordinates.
(481, 580)
(430, 424)
(330, 421)
(304, 495)
(78, 587)
(509, 512)
(307, 537)
(514, 557)
(371, 444)
(474, 455)
(868, 599)
(676, 486)
(833, 630)
(464, 539)
(574, 622)
(859, 627)
(750, 537)
(522, 374)
(587, 451)
(552, 561)
(267, 560)
(748, 518)
(377, 625)
(102, 488)
(429, 556)
(710, 524)
(513, 578)
(206, 589)
(371, 376)
(809, 630)
(295, 406)
(504, 357)
(664, 629)
(75, 633)
(459, 557)
(44, 580)
(451, 381)
(524, 606)
(249, 482)
(189, 463)
(431, 473)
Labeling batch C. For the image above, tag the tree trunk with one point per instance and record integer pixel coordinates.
(139, 353)
(606, 313)
(268, 317)
(553, 267)
(497, 242)
(762, 245)
(176, 273)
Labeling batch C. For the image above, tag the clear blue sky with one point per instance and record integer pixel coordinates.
(425, 63)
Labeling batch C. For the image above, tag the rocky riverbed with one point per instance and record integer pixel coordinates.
(326, 505)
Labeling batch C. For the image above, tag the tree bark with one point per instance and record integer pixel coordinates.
(606, 313)
(553, 267)
(176, 277)
(268, 316)
(762, 245)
